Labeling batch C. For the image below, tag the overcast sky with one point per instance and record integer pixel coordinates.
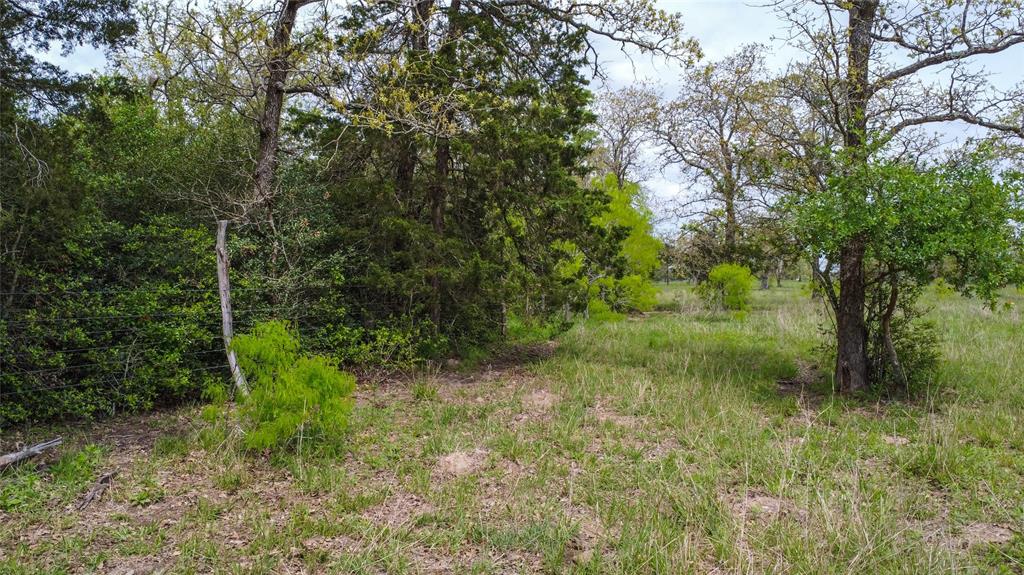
(721, 27)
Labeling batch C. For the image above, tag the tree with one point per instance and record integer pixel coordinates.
(624, 120)
(31, 88)
(954, 220)
(32, 26)
(429, 65)
(631, 290)
(241, 57)
(708, 132)
(411, 170)
(891, 67)
(30, 91)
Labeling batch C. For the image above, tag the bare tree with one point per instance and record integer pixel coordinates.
(708, 132)
(624, 121)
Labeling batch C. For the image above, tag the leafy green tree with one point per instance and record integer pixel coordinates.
(431, 163)
(954, 220)
(877, 71)
(34, 26)
(639, 250)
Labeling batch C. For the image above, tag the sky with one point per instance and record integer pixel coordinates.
(721, 27)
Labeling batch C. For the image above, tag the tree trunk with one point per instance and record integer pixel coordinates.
(443, 151)
(405, 171)
(851, 331)
(227, 322)
(731, 225)
(278, 68)
(764, 281)
(890, 348)
(437, 200)
(408, 148)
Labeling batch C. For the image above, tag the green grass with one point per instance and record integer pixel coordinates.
(656, 444)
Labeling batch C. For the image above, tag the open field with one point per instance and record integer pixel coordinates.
(679, 442)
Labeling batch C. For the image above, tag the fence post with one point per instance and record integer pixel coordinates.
(224, 287)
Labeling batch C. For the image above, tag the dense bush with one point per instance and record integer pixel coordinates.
(915, 340)
(599, 310)
(294, 397)
(79, 339)
(728, 287)
(629, 288)
(372, 247)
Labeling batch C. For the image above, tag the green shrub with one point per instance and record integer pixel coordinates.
(391, 346)
(21, 490)
(79, 342)
(638, 293)
(915, 339)
(293, 397)
(522, 329)
(599, 310)
(943, 290)
(77, 468)
(728, 287)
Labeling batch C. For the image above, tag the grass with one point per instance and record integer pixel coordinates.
(661, 444)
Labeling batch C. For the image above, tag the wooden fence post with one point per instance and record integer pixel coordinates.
(227, 322)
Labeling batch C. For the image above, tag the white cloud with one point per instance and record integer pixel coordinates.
(83, 60)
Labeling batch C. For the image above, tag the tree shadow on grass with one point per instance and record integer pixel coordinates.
(772, 373)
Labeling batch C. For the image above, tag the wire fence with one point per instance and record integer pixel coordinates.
(60, 346)
(117, 341)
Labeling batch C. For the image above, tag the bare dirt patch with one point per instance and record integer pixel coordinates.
(662, 449)
(807, 374)
(980, 534)
(339, 544)
(762, 507)
(399, 510)
(604, 414)
(459, 463)
(133, 566)
(588, 539)
(127, 438)
(497, 490)
(539, 400)
(895, 440)
(938, 532)
(802, 385)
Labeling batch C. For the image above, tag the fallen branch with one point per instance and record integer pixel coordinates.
(27, 453)
(98, 489)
